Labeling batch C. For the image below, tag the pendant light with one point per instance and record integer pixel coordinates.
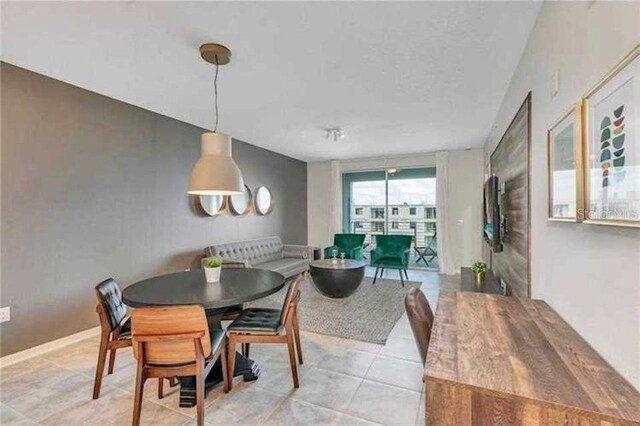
(215, 173)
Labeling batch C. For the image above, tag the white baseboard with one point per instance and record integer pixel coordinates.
(48, 347)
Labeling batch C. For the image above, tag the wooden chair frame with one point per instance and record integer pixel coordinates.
(291, 337)
(110, 341)
(200, 369)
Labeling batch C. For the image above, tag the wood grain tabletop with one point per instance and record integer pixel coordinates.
(523, 348)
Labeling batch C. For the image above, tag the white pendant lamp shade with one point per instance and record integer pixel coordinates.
(216, 173)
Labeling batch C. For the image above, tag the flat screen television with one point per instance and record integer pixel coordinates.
(491, 214)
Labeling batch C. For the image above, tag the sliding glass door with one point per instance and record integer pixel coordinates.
(394, 202)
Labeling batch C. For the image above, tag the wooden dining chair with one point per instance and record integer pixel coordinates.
(175, 342)
(115, 328)
(265, 325)
(420, 319)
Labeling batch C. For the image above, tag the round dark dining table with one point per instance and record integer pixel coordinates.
(236, 286)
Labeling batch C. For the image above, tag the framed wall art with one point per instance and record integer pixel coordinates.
(611, 114)
(564, 145)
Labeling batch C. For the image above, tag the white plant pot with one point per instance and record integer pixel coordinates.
(212, 274)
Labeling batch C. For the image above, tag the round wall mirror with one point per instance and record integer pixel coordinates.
(263, 201)
(240, 205)
(213, 205)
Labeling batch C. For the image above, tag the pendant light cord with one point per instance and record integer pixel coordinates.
(215, 93)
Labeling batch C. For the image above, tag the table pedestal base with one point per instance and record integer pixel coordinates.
(244, 366)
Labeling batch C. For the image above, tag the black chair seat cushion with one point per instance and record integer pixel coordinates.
(257, 319)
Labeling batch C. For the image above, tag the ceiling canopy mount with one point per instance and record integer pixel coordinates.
(215, 53)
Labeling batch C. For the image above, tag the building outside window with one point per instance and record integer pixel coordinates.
(430, 212)
(394, 225)
(394, 211)
(377, 212)
(412, 225)
(430, 228)
(377, 226)
(412, 211)
(357, 225)
(359, 211)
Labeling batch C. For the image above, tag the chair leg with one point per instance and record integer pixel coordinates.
(296, 331)
(102, 357)
(401, 277)
(172, 381)
(200, 396)
(160, 383)
(112, 360)
(225, 367)
(406, 275)
(381, 272)
(137, 397)
(375, 276)
(231, 360)
(292, 357)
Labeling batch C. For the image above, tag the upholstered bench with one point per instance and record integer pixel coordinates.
(265, 253)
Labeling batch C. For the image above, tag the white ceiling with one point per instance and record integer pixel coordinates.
(397, 77)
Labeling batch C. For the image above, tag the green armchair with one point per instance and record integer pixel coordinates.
(349, 244)
(391, 252)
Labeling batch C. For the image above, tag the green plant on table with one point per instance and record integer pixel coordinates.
(479, 267)
(213, 262)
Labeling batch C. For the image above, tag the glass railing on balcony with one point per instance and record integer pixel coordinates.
(422, 235)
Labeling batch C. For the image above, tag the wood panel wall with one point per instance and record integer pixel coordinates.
(510, 162)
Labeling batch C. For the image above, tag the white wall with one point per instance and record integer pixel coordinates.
(318, 198)
(465, 186)
(465, 205)
(589, 274)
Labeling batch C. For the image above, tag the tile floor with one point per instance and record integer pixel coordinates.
(342, 382)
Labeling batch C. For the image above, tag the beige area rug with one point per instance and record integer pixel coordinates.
(368, 315)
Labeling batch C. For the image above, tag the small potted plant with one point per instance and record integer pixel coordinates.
(212, 267)
(479, 269)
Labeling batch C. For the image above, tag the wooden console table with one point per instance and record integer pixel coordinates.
(508, 360)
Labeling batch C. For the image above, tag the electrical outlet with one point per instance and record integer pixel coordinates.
(5, 314)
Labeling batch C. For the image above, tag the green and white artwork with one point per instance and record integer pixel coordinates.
(613, 163)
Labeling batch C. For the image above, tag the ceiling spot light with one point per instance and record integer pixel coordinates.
(335, 133)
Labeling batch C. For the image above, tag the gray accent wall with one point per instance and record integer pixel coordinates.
(95, 188)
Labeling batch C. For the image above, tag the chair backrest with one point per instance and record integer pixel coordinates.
(293, 295)
(109, 298)
(420, 319)
(348, 241)
(394, 242)
(168, 333)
